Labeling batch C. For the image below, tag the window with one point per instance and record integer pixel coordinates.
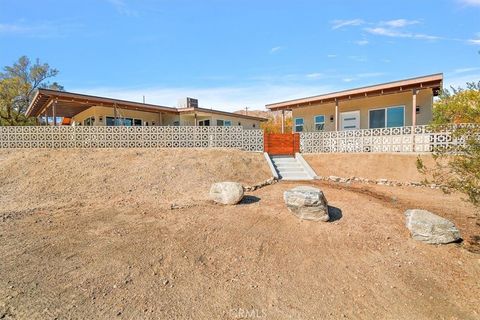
(137, 122)
(204, 123)
(89, 121)
(298, 124)
(111, 121)
(176, 123)
(224, 123)
(387, 117)
(319, 122)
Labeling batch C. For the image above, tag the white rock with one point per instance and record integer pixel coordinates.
(307, 203)
(226, 192)
(430, 228)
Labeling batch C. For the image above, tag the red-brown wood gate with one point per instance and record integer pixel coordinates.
(281, 143)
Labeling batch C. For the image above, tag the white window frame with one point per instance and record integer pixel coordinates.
(386, 115)
(203, 121)
(302, 125)
(315, 122)
(141, 122)
(91, 118)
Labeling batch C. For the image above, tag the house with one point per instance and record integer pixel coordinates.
(86, 110)
(401, 103)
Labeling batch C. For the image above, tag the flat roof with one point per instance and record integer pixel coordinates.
(433, 81)
(68, 104)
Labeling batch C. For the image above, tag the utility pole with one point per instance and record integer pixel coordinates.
(246, 111)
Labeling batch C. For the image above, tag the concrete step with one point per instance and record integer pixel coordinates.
(292, 170)
(295, 176)
(284, 161)
(289, 168)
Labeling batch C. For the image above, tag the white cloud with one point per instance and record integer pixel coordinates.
(470, 2)
(337, 24)
(122, 8)
(465, 70)
(452, 80)
(362, 42)
(358, 58)
(50, 29)
(331, 56)
(474, 41)
(395, 33)
(275, 49)
(221, 98)
(399, 23)
(315, 75)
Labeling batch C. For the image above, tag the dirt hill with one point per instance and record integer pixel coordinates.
(90, 234)
(42, 178)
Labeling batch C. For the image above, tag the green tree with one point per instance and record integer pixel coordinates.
(17, 88)
(458, 169)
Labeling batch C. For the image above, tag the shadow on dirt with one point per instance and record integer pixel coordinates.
(334, 213)
(249, 200)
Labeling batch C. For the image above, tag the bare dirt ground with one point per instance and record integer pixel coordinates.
(89, 234)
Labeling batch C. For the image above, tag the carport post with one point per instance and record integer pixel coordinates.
(414, 116)
(336, 114)
(283, 121)
(414, 108)
(54, 113)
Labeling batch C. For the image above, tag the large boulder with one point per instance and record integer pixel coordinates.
(430, 228)
(226, 192)
(307, 203)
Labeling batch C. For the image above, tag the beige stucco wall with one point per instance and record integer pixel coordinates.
(424, 100)
(164, 119)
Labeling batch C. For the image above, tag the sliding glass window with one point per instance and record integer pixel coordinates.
(387, 117)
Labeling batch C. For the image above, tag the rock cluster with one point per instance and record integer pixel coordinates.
(385, 182)
(265, 183)
(307, 203)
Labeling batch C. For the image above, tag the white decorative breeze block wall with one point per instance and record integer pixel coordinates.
(131, 137)
(402, 139)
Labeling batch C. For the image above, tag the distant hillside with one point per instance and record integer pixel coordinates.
(264, 113)
(255, 113)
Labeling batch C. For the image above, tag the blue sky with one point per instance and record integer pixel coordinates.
(231, 54)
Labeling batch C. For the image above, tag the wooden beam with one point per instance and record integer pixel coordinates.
(336, 115)
(414, 108)
(54, 113)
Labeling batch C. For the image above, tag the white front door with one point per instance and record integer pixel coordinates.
(350, 120)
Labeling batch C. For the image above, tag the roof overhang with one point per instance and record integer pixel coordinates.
(434, 82)
(68, 104)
